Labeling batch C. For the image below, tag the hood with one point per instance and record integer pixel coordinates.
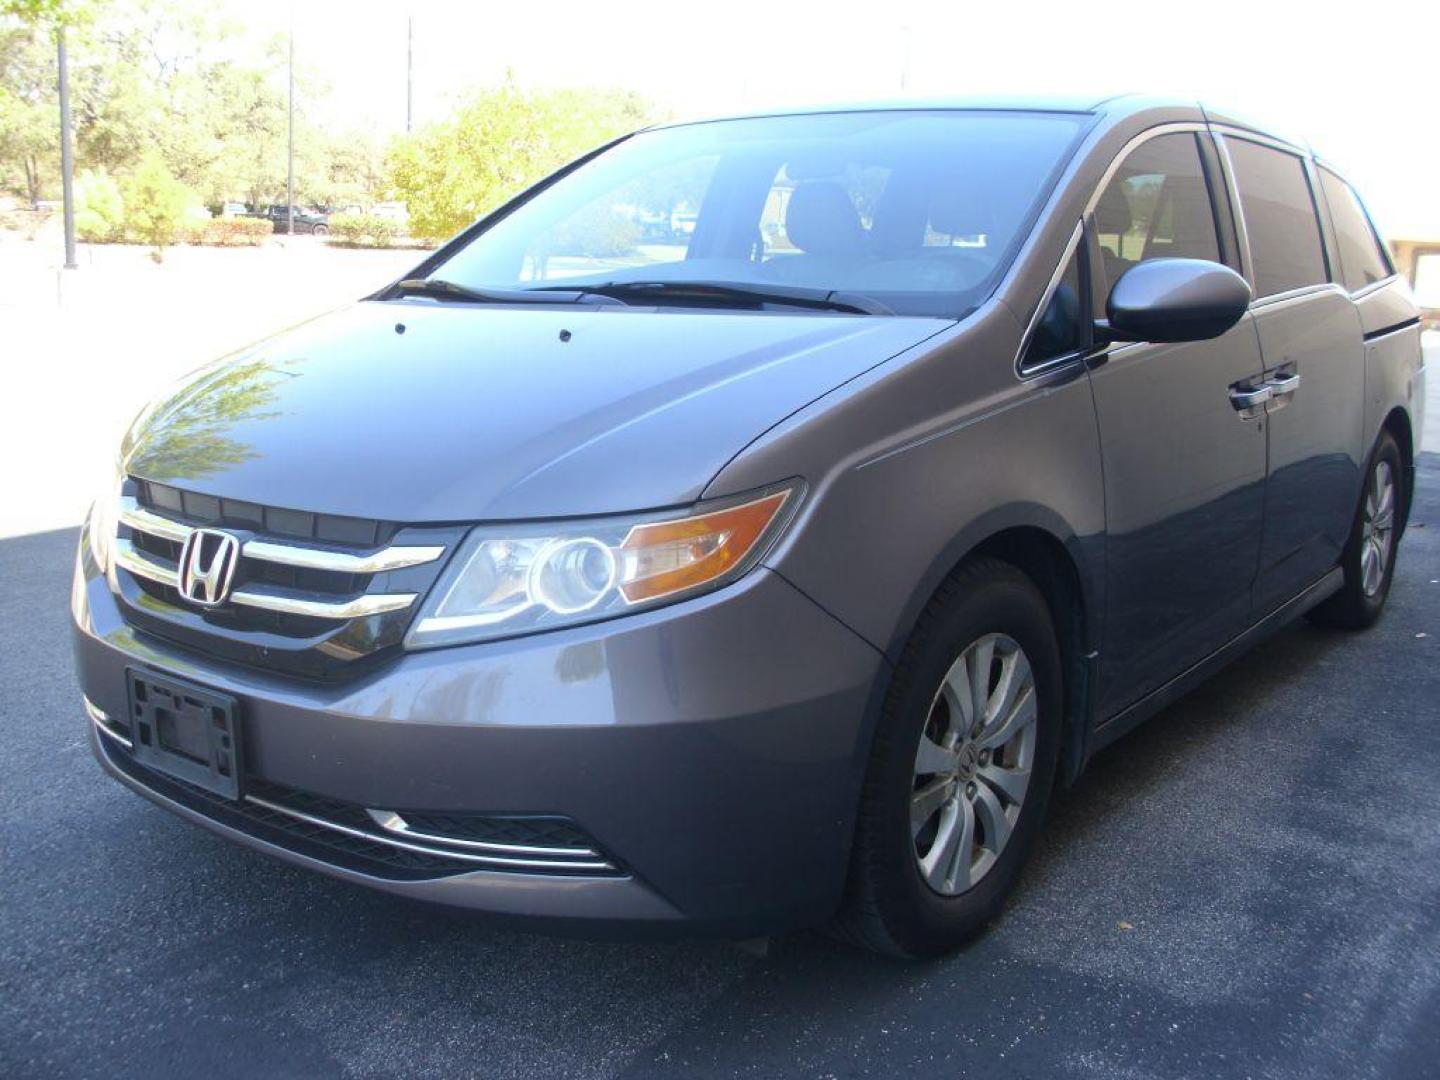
(415, 411)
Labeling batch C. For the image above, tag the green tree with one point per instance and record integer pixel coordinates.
(155, 203)
(29, 113)
(99, 207)
(42, 12)
(499, 142)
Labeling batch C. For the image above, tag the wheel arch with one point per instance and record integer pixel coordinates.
(1062, 565)
(1397, 423)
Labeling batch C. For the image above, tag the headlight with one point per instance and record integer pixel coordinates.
(100, 526)
(508, 580)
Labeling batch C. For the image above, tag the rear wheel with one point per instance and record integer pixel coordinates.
(1369, 557)
(961, 769)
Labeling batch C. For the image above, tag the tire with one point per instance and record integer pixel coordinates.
(320, 230)
(1369, 556)
(900, 899)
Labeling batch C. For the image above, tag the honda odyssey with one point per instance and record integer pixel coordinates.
(772, 571)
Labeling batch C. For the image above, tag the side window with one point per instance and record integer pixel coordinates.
(1062, 328)
(1157, 205)
(1280, 220)
(1362, 258)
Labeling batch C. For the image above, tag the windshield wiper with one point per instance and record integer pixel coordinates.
(791, 295)
(440, 289)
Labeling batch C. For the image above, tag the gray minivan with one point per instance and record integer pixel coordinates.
(771, 571)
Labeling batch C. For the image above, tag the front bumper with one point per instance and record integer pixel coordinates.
(713, 749)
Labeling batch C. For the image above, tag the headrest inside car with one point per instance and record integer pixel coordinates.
(820, 219)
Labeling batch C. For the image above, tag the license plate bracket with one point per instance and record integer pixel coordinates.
(186, 731)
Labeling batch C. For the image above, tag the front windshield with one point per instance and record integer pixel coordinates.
(921, 211)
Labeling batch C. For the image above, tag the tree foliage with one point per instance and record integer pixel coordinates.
(29, 129)
(497, 143)
(164, 75)
(156, 203)
(161, 96)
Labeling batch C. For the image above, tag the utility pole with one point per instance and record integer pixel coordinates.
(67, 162)
(409, 70)
(290, 142)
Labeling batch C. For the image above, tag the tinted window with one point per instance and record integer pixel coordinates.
(1280, 221)
(920, 210)
(1156, 206)
(1362, 260)
(1062, 328)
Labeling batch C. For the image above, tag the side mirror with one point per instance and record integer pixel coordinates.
(1174, 300)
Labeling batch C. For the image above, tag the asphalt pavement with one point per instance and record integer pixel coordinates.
(1248, 886)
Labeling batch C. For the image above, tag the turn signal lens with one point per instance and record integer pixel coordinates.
(672, 556)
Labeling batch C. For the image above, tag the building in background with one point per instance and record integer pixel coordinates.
(1416, 248)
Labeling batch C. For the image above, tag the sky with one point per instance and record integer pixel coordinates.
(1342, 77)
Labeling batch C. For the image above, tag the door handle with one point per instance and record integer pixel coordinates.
(1283, 384)
(1249, 401)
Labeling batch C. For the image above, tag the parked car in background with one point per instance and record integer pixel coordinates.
(756, 585)
(391, 211)
(306, 221)
(682, 225)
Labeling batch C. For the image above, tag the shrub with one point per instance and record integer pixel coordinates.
(237, 231)
(362, 230)
(99, 208)
(382, 231)
(156, 204)
(497, 143)
(347, 228)
(597, 232)
(194, 223)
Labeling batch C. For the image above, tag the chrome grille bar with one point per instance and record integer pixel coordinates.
(390, 558)
(393, 822)
(423, 849)
(101, 720)
(141, 565)
(268, 599)
(142, 520)
(353, 608)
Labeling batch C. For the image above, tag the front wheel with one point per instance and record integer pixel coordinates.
(961, 769)
(320, 230)
(1368, 560)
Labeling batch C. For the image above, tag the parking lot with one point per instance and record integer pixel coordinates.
(1248, 886)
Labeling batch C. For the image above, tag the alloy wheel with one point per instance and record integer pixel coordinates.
(1378, 533)
(973, 765)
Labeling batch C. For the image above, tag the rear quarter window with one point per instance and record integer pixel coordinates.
(1286, 251)
(1362, 257)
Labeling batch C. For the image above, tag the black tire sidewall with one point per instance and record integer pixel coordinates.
(922, 921)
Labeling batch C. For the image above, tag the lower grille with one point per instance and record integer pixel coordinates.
(394, 845)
